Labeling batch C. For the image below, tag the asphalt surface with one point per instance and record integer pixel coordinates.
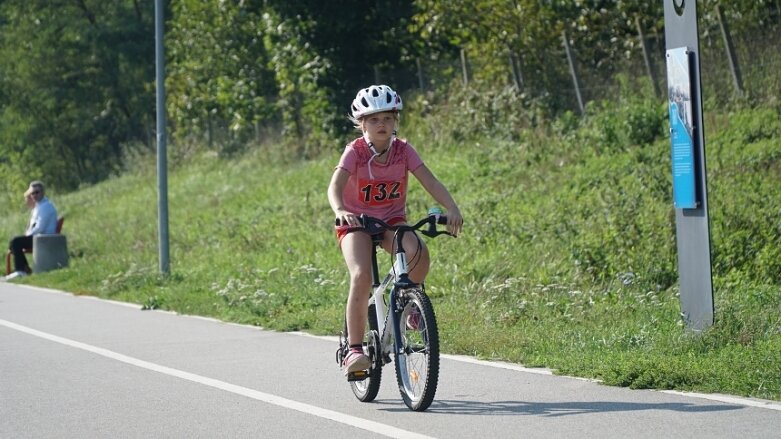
(81, 367)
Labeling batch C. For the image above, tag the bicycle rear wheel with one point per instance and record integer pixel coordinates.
(417, 362)
(366, 390)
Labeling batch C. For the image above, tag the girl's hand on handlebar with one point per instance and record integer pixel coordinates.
(454, 221)
(345, 218)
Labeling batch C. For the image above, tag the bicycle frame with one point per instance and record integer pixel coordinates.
(416, 353)
(399, 275)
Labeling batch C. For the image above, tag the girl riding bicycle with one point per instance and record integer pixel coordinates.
(371, 179)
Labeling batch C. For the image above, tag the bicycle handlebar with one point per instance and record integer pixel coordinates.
(373, 224)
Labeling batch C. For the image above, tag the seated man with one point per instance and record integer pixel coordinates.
(43, 220)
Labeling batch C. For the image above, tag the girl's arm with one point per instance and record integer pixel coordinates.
(335, 191)
(440, 193)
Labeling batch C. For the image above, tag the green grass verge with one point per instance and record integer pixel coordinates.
(568, 258)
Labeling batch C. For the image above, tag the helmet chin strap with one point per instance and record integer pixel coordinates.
(376, 154)
(371, 144)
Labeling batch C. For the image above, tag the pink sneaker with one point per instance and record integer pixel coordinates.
(355, 361)
(414, 319)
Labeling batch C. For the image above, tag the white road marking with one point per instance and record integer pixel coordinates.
(364, 424)
(761, 403)
(749, 402)
(731, 399)
(498, 364)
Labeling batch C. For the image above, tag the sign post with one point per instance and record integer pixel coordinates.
(688, 163)
(162, 166)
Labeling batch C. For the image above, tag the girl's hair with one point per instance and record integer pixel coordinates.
(357, 121)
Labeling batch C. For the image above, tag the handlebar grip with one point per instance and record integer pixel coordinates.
(442, 219)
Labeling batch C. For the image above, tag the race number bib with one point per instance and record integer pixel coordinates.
(377, 193)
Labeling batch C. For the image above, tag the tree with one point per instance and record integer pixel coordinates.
(270, 61)
(76, 75)
(219, 68)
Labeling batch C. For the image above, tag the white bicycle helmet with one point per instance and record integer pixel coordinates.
(375, 99)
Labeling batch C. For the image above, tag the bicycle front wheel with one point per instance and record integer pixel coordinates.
(417, 360)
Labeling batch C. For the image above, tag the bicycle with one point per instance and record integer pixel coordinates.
(407, 328)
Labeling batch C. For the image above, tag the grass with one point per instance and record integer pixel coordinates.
(568, 258)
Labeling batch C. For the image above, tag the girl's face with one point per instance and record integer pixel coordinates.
(379, 127)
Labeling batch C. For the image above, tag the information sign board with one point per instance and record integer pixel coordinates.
(681, 128)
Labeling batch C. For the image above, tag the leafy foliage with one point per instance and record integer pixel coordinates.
(304, 104)
(74, 75)
(219, 75)
(78, 79)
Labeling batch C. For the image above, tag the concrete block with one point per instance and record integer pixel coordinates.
(50, 252)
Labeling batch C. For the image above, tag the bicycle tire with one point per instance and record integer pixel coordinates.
(367, 389)
(417, 362)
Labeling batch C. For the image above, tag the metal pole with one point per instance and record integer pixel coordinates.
(464, 69)
(518, 63)
(730, 49)
(692, 225)
(162, 176)
(511, 59)
(649, 66)
(421, 83)
(573, 71)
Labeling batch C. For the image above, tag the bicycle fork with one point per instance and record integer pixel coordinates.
(402, 282)
(387, 320)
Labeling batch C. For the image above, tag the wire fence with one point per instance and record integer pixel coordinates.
(733, 64)
(567, 81)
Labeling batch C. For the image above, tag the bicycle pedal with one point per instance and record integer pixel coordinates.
(359, 375)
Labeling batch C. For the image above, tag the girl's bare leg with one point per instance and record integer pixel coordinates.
(356, 249)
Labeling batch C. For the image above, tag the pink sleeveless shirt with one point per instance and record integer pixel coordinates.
(381, 191)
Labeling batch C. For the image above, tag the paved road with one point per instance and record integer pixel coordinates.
(82, 367)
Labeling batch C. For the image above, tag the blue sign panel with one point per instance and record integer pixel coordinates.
(681, 129)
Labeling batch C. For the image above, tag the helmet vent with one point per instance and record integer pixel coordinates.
(364, 102)
(375, 93)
